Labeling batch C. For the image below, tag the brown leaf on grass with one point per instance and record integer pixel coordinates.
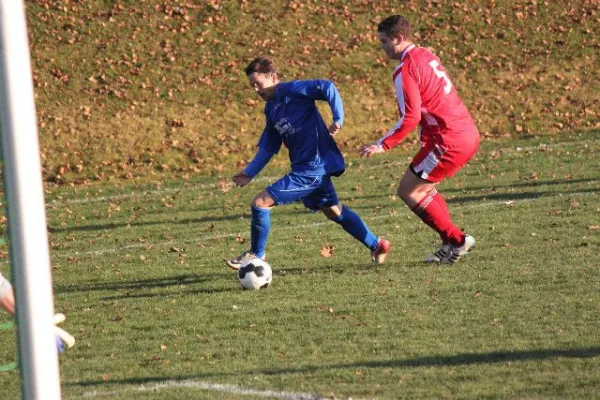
(239, 238)
(163, 347)
(224, 186)
(175, 123)
(327, 251)
(593, 227)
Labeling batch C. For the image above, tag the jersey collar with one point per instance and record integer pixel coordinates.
(406, 50)
(401, 62)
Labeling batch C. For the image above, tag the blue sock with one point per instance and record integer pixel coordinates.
(259, 230)
(351, 222)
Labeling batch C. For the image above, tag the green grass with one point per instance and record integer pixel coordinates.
(138, 270)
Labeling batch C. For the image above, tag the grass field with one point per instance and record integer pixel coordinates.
(138, 270)
(144, 109)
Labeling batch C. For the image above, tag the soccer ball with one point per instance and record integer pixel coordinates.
(255, 274)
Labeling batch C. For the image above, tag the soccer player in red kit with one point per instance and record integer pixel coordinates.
(449, 137)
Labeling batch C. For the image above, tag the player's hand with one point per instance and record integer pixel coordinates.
(334, 128)
(369, 149)
(241, 179)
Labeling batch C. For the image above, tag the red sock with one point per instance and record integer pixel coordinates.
(432, 210)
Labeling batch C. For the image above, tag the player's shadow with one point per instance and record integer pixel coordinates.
(178, 293)
(520, 184)
(486, 197)
(328, 268)
(513, 196)
(463, 359)
(450, 361)
(178, 280)
(193, 222)
(123, 224)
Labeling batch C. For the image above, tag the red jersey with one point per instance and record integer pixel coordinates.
(427, 97)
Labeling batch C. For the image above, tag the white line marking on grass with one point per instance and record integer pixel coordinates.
(215, 186)
(150, 192)
(316, 224)
(216, 387)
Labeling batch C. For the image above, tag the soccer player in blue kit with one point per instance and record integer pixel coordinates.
(292, 119)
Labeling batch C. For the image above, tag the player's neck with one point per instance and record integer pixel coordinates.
(403, 46)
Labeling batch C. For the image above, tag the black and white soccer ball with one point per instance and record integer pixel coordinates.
(255, 274)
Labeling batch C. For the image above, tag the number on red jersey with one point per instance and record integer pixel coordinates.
(441, 74)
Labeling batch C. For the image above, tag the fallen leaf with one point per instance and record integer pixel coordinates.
(327, 251)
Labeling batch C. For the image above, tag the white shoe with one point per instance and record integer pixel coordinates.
(456, 252)
(438, 255)
(236, 262)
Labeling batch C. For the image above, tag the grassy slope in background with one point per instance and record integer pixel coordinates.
(133, 88)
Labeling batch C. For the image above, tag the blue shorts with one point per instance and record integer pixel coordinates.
(314, 191)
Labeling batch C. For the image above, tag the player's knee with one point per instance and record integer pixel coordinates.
(263, 200)
(332, 212)
(404, 190)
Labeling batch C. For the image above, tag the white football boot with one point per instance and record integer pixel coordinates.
(456, 252)
(236, 262)
(438, 255)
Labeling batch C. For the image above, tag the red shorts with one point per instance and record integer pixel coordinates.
(437, 161)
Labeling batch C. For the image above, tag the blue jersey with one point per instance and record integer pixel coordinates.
(294, 120)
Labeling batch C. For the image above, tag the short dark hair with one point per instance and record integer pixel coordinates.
(394, 26)
(262, 65)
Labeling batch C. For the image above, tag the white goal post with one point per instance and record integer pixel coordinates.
(24, 194)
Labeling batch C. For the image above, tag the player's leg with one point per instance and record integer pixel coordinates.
(288, 189)
(418, 190)
(260, 225)
(7, 296)
(325, 198)
(421, 197)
